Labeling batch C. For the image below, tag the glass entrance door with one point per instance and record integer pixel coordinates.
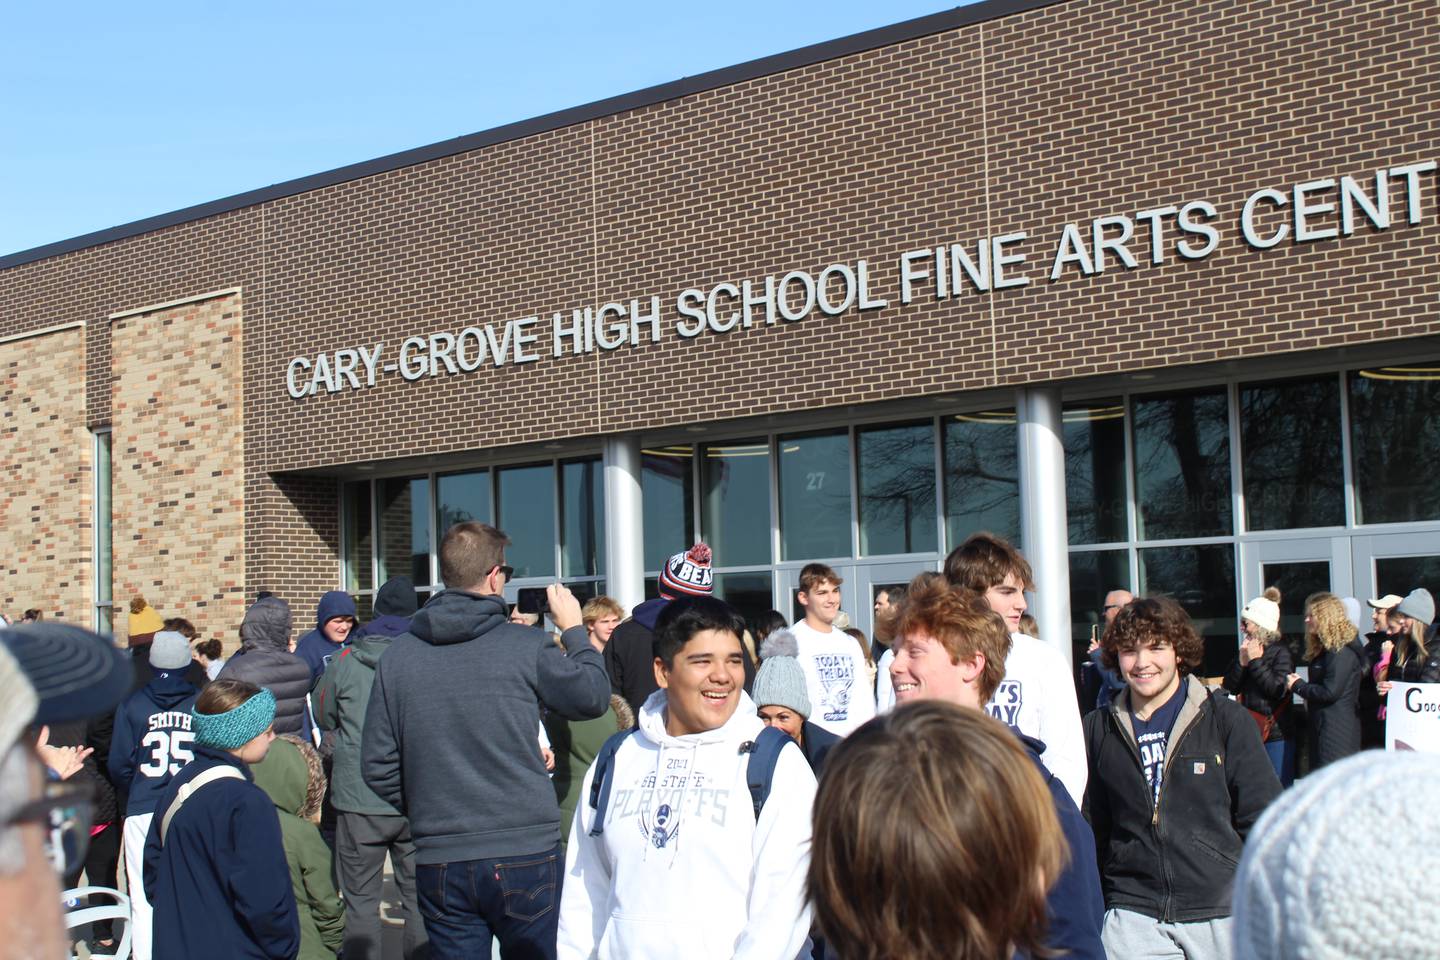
(857, 594)
(1396, 563)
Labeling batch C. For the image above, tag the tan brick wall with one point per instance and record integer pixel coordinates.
(179, 504)
(45, 488)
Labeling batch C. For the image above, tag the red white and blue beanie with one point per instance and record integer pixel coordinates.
(688, 574)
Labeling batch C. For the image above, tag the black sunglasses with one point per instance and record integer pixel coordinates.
(507, 572)
(67, 812)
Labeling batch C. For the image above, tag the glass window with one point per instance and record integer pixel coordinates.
(1182, 465)
(1395, 441)
(527, 515)
(359, 537)
(1296, 581)
(815, 496)
(667, 490)
(582, 504)
(1093, 574)
(1400, 575)
(1094, 436)
(1290, 454)
(1202, 580)
(104, 550)
(897, 489)
(586, 590)
(364, 607)
(750, 593)
(735, 522)
(405, 529)
(460, 498)
(982, 476)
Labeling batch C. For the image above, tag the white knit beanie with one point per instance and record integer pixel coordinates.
(1314, 882)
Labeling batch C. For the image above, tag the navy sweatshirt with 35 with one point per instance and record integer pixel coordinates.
(152, 739)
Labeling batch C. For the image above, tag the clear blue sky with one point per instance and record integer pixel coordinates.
(117, 111)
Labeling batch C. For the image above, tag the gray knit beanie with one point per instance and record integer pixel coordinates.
(1313, 885)
(780, 681)
(1419, 605)
(169, 651)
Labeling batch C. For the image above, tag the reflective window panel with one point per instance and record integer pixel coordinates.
(1202, 580)
(1400, 575)
(735, 511)
(461, 497)
(1092, 575)
(749, 593)
(1290, 454)
(527, 516)
(364, 607)
(1296, 580)
(359, 537)
(667, 492)
(982, 478)
(1395, 442)
(1094, 434)
(897, 489)
(582, 504)
(815, 496)
(1182, 465)
(404, 511)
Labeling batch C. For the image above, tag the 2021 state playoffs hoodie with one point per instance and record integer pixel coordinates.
(683, 868)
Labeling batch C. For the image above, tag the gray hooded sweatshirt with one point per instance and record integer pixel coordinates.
(451, 732)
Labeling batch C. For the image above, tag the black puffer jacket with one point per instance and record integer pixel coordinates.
(1261, 685)
(265, 660)
(1175, 860)
(1416, 668)
(1333, 696)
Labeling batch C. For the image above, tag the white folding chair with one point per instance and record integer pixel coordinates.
(119, 910)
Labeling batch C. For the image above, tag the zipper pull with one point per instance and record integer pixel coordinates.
(1219, 760)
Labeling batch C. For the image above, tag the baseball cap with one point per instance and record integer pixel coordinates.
(1386, 602)
(73, 674)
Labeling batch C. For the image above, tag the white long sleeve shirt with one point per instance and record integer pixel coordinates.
(837, 679)
(683, 868)
(1037, 697)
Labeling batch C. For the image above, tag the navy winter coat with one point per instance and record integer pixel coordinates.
(315, 648)
(220, 885)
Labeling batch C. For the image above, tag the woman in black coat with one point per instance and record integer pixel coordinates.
(1411, 659)
(1337, 662)
(1259, 677)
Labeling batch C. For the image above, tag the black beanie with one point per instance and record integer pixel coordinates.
(396, 598)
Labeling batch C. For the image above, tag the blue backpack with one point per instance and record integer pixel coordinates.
(764, 753)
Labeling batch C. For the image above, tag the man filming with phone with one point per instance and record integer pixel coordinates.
(450, 741)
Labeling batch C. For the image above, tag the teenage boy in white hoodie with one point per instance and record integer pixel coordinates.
(1037, 695)
(682, 866)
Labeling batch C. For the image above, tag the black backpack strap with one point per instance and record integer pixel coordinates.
(760, 771)
(600, 782)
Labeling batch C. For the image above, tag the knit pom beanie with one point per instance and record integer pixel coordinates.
(780, 681)
(1312, 884)
(235, 728)
(144, 622)
(688, 574)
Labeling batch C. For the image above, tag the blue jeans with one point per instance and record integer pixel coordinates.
(516, 899)
(1282, 758)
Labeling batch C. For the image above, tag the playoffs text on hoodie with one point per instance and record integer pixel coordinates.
(683, 867)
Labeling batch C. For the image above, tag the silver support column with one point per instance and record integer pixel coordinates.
(1043, 529)
(624, 536)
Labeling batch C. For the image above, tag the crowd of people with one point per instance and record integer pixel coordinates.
(673, 781)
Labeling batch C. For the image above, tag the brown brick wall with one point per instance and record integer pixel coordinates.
(46, 486)
(1022, 123)
(177, 456)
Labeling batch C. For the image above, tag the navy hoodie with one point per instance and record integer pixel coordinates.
(630, 655)
(152, 739)
(220, 886)
(1076, 905)
(315, 648)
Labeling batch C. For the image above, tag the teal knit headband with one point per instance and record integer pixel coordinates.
(235, 728)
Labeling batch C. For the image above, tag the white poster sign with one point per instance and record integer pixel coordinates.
(1412, 717)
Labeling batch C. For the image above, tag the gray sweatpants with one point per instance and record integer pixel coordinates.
(361, 842)
(1134, 936)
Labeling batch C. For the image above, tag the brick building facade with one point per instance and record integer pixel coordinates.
(1121, 150)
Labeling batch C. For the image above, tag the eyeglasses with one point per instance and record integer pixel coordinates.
(507, 572)
(67, 811)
